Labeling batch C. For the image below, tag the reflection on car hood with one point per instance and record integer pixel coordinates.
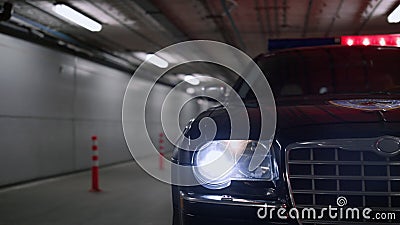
(325, 113)
(319, 112)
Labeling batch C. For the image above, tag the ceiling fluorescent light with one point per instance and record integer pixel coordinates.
(158, 61)
(76, 17)
(151, 58)
(191, 80)
(140, 55)
(394, 17)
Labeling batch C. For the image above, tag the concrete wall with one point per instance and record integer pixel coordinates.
(51, 103)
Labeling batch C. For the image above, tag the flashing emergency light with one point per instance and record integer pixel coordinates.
(372, 40)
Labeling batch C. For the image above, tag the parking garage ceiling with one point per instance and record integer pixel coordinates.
(141, 26)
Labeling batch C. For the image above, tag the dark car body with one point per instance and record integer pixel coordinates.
(323, 149)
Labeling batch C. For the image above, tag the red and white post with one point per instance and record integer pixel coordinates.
(161, 151)
(95, 166)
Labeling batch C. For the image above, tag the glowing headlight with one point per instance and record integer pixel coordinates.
(217, 163)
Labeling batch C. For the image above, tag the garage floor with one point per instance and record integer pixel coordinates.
(129, 196)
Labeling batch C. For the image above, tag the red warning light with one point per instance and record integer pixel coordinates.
(373, 40)
(350, 42)
(382, 41)
(366, 41)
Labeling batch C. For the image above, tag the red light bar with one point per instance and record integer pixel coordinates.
(373, 40)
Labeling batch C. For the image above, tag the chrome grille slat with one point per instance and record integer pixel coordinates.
(337, 170)
(362, 176)
(312, 174)
(389, 184)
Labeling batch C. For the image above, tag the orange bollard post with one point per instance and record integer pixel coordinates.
(95, 166)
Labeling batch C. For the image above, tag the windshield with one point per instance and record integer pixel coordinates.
(331, 70)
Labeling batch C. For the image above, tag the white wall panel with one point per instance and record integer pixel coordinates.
(33, 81)
(32, 148)
(52, 103)
(99, 91)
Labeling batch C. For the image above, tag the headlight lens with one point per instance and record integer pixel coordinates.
(217, 163)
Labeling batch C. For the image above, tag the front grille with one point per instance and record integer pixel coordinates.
(318, 176)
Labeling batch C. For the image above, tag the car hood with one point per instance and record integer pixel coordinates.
(299, 114)
(327, 113)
